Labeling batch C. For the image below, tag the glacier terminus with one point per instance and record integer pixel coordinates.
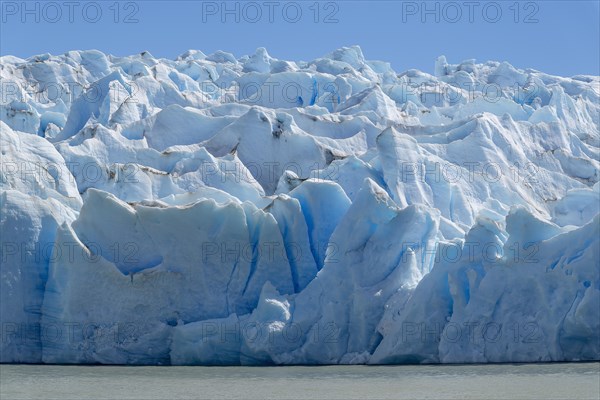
(214, 210)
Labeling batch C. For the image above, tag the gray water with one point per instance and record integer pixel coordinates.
(525, 381)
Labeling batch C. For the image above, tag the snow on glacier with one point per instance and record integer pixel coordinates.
(214, 210)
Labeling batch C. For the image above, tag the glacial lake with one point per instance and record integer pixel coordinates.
(499, 381)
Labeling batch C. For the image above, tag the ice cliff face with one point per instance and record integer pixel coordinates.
(214, 210)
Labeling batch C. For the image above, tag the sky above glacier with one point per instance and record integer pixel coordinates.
(558, 37)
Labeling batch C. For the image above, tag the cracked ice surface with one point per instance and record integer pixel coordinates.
(214, 210)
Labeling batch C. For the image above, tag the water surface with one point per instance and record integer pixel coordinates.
(523, 381)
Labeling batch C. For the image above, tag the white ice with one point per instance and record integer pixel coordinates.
(214, 210)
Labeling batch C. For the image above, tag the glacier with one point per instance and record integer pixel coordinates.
(214, 210)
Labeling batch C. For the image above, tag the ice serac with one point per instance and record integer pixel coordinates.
(276, 145)
(216, 210)
(37, 194)
(197, 262)
(294, 231)
(323, 204)
(517, 307)
(379, 250)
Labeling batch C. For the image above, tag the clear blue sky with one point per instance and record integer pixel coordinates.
(558, 37)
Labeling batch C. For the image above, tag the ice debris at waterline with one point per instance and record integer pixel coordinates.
(214, 210)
